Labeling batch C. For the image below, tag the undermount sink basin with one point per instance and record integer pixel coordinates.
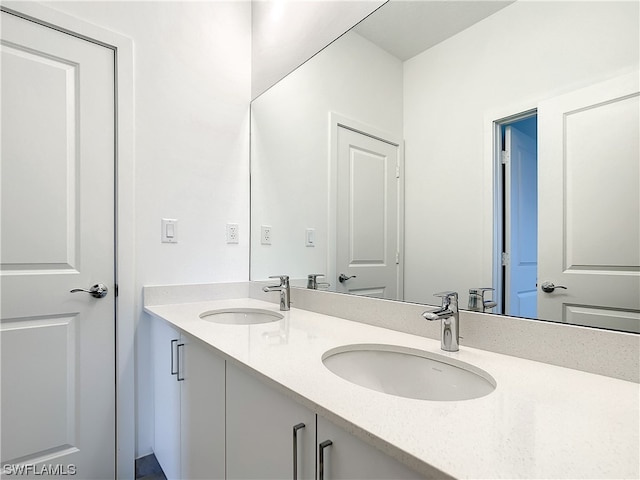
(241, 316)
(408, 372)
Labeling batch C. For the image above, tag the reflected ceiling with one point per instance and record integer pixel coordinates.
(408, 28)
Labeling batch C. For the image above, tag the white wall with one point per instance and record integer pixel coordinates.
(290, 148)
(505, 64)
(286, 34)
(192, 90)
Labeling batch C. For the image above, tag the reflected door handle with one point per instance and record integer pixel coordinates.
(99, 290)
(548, 287)
(343, 278)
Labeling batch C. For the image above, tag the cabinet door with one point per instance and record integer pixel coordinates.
(202, 375)
(166, 394)
(260, 425)
(349, 457)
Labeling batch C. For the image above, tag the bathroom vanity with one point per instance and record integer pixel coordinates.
(251, 400)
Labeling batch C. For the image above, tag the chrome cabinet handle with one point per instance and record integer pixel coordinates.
(180, 379)
(295, 449)
(99, 290)
(321, 448)
(548, 287)
(173, 342)
(343, 278)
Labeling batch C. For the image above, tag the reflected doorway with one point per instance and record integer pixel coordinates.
(517, 159)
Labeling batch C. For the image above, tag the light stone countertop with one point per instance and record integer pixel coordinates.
(542, 421)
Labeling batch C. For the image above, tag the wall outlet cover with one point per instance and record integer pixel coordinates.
(233, 233)
(265, 234)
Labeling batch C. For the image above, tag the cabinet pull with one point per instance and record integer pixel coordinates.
(321, 448)
(180, 379)
(173, 342)
(295, 449)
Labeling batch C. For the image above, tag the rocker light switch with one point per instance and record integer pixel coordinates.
(310, 237)
(169, 230)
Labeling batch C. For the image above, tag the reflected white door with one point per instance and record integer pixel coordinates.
(58, 348)
(589, 227)
(521, 222)
(367, 247)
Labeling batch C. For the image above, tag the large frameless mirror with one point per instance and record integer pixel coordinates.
(489, 148)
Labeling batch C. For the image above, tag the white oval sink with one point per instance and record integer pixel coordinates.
(408, 372)
(241, 316)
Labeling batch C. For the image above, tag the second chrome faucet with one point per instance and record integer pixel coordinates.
(284, 289)
(450, 317)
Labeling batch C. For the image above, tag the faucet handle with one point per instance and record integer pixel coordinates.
(447, 297)
(480, 291)
(284, 279)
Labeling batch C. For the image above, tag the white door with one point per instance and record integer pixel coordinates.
(367, 250)
(57, 207)
(521, 212)
(589, 226)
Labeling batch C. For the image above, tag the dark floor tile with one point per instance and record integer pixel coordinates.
(148, 468)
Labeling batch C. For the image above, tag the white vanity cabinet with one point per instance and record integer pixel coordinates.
(260, 431)
(189, 408)
(261, 444)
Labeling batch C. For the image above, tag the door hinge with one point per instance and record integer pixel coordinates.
(505, 259)
(397, 171)
(397, 258)
(505, 157)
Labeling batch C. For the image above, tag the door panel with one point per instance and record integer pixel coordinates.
(590, 219)
(367, 220)
(521, 223)
(52, 342)
(57, 201)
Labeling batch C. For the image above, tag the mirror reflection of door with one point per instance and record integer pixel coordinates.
(520, 174)
(367, 227)
(589, 227)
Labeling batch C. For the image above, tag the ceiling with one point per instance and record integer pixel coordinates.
(405, 28)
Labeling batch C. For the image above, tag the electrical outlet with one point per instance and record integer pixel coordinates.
(233, 235)
(265, 235)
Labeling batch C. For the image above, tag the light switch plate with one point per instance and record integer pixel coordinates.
(310, 237)
(169, 233)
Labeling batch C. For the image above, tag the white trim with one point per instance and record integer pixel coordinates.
(336, 120)
(127, 301)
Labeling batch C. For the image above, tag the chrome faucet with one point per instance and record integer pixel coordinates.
(477, 303)
(284, 289)
(312, 281)
(450, 317)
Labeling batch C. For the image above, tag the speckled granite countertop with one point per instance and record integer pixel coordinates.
(542, 421)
